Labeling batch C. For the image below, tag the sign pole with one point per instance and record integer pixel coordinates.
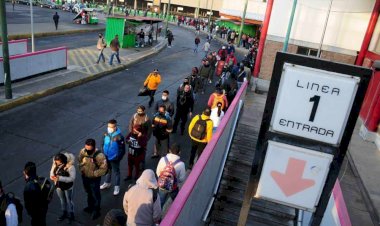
(286, 42)
(242, 22)
(32, 23)
(4, 36)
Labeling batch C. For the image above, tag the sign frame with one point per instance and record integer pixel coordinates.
(338, 151)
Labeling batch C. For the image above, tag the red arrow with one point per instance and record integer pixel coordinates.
(292, 182)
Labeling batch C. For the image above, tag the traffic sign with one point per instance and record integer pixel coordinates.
(313, 103)
(293, 175)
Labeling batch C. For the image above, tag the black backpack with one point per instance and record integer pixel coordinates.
(9, 199)
(199, 130)
(47, 188)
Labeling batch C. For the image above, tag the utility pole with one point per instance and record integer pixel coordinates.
(290, 24)
(196, 14)
(167, 19)
(242, 22)
(209, 16)
(31, 23)
(324, 30)
(4, 37)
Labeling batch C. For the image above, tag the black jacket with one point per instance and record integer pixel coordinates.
(33, 199)
(185, 101)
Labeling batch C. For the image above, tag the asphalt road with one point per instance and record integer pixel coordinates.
(38, 130)
(21, 14)
(71, 41)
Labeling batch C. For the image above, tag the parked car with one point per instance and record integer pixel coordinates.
(50, 5)
(78, 7)
(27, 2)
(67, 7)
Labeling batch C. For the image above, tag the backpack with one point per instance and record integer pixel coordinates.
(9, 199)
(168, 178)
(217, 99)
(199, 130)
(47, 188)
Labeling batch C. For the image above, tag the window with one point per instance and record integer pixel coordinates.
(307, 51)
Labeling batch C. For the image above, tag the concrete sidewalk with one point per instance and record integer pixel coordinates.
(81, 68)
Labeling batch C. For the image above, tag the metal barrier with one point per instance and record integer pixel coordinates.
(29, 64)
(15, 47)
(193, 200)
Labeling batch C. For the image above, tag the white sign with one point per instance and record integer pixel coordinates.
(293, 176)
(313, 103)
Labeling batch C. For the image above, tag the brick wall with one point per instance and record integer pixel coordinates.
(272, 47)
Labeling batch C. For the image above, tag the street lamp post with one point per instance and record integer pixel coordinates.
(31, 23)
(242, 22)
(167, 19)
(4, 35)
(209, 16)
(197, 9)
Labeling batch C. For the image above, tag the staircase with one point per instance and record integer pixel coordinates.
(230, 197)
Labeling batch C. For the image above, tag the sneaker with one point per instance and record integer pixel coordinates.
(116, 190)
(105, 186)
(209, 81)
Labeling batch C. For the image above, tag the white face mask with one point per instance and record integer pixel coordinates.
(164, 97)
(110, 130)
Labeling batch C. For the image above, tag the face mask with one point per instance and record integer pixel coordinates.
(110, 130)
(141, 113)
(162, 113)
(90, 152)
(164, 98)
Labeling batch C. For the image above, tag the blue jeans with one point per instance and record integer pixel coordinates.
(92, 188)
(196, 48)
(114, 53)
(66, 198)
(101, 56)
(114, 165)
(164, 195)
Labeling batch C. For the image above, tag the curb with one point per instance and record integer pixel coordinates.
(47, 34)
(35, 96)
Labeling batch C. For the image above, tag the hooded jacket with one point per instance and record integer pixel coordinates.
(205, 71)
(152, 81)
(69, 167)
(114, 145)
(138, 201)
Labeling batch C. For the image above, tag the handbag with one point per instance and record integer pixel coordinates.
(144, 91)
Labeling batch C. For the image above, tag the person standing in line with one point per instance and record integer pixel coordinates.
(165, 101)
(152, 82)
(141, 203)
(13, 4)
(63, 174)
(115, 46)
(101, 45)
(185, 105)
(162, 127)
(216, 115)
(137, 142)
(92, 165)
(195, 82)
(218, 97)
(35, 203)
(171, 172)
(8, 211)
(114, 150)
(196, 41)
(200, 131)
(56, 20)
(205, 73)
(206, 47)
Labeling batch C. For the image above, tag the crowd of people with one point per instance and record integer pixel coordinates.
(144, 199)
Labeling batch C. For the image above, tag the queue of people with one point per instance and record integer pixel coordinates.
(143, 201)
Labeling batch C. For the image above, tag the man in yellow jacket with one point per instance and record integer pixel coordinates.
(200, 131)
(152, 82)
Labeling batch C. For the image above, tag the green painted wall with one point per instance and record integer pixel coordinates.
(248, 29)
(114, 26)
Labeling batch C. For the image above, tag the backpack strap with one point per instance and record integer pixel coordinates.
(166, 160)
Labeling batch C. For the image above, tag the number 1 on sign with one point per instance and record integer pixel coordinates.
(314, 99)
